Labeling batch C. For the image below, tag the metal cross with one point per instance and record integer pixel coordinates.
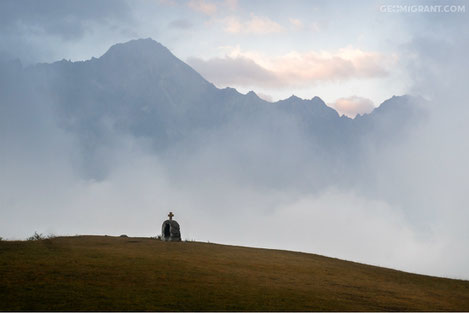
(170, 215)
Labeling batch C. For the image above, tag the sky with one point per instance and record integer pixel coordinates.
(353, 55)
(306, 48)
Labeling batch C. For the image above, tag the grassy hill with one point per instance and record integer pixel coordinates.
(109, 273)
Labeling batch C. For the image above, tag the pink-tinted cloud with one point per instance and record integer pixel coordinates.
(297, 23)
(352, 106)
(299, 69)
(211, 8)
(258, 25)
(203, 6)
(339, 65)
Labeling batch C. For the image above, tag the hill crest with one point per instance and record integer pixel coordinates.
(109, 273)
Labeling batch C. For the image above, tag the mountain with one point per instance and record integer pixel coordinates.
(97, 273)
(140, 89)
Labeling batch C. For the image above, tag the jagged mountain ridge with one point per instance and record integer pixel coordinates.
(144, 76)
(141, 89)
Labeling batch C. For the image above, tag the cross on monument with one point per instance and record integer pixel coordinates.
(170, 215)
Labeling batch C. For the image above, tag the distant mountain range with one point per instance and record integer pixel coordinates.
(141, 89)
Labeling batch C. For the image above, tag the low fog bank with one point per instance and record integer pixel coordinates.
(401, 206)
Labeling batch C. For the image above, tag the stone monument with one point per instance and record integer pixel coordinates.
(170, 230)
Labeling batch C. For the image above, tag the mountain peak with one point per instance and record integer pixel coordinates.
(252, 94)
(148, 58)
(316, 98)
(293, 97)
(138, 43)
(138, 48)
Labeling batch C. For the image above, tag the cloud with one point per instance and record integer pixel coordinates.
(240, 68)
(35, 30)
(212, 8)
(203, 6)
(258, 25)
(66, 19)
(232, 25)
(239, 71)
(297, 23)
(266, 97)
(167, 2)
(357, 228)
(231, 4)
(352, 106)
(338, 65)
(181, 24)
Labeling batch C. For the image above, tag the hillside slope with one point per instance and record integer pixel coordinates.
(107, 273)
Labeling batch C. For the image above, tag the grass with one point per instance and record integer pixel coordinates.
(95, 273)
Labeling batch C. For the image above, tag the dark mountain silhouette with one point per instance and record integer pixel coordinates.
(141, 89)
